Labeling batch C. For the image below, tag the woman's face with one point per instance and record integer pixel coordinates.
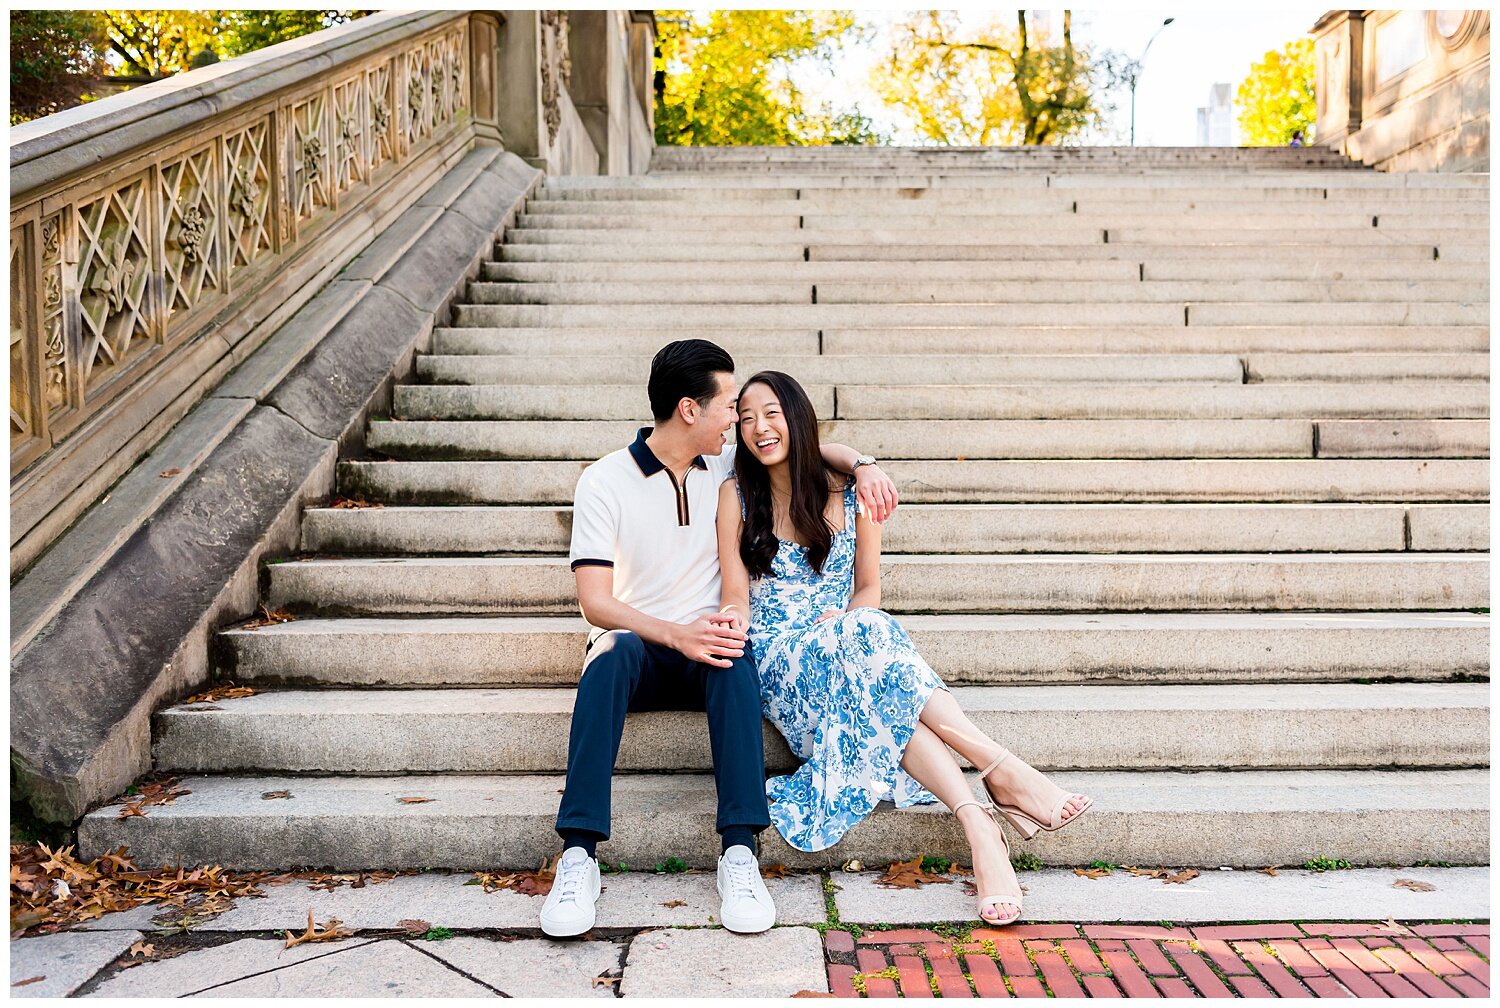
(762, 424)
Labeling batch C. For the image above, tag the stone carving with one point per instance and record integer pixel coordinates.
(114, 297)
(246, 153)
(557, 67)
(22, 409)
(191, 266)
(55, 353)
(311, 191)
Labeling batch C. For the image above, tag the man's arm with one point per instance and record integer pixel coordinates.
(705, 639)
(875, 490)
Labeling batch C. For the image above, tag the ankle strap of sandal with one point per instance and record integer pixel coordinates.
(1004, 755)
(971, 801)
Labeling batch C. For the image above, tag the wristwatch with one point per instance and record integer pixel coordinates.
(862, 460)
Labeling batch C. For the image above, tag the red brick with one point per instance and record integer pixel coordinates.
(1344, 971)
(839, 941)
(1468, 986)
(1151, 958)
(1082, 956)
(1242, 932)
(1431, 960)
(950, 979)
(1059, 977)
(1101, 987)
(841, 981)
(986, 975)
(912, 977)
(1451, 929)
(1019, 931)
(1395, 986)
(1013, 958)
(1195, 969)
(1340, 930)
(1250, 987)
(1360, 956)
(1223, 956)
(1174, 988)
(902, 950)
(1134, 931)
(898, 936)
(1127, 974)
(1270, 968)
(1296, 957)
(936, 951)
(1027, 987)
(871, 961)
(1325, 987)
(1481, 944)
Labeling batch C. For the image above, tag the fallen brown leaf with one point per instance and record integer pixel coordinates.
(853, 865)
(1091, 872)
(170, 472)
(957, 869)
(1162, 873)
(1269, 870)
(269, 617)
(317, 932)
(268, 795)
(158, 793)
(1391, 925)
(537, 883)
(413, 801)
(140, 948)
(353, 502)
(1413, 885)
(28, 980)
(605, 981)
(414, 926)
(672, 904)
(908, 875)
(1186, 875)
(221, 691)
(774, 870)
(810, 993)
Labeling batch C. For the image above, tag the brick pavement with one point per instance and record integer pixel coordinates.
(1234, 960)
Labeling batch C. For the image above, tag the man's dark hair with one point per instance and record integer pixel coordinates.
(685, 370)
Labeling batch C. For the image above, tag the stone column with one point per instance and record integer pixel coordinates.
(595, 65)
(1338, 50)
(518, 80)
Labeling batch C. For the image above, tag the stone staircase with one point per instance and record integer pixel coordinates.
(1192, 447)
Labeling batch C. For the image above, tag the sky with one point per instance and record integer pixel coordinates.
(1200, 47)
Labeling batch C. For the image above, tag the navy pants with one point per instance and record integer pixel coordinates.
(624, 673)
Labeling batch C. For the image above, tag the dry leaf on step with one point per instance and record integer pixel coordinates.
(774, 870)
(1413, 885)
(317, 932)
(605, 981)
(268, 795)
(1269, 870)
(414, 926)
(908, 875)
(672, 904)
(28, 980)
(142, 949)
(413, 801)
(1091, 872)
(1187, 874)
(169, 473)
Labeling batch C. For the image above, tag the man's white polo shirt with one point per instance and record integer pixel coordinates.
(631, 514)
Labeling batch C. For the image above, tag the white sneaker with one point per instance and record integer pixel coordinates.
(745, 904)
(569, 909)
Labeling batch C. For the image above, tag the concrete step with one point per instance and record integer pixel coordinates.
(704, 318)
(1413, 274)
(1436, 367)
(968, 291)
(1403, 439)
(985, 481)
(1210, 818)
(1305, 207)
(546, 438)
(861, 369)
(1019, 191)
(1273, 726)
(934, 584)
(1207, 181)
(958, 528)
(1056, 216)
(1024, 649)
(643, 342)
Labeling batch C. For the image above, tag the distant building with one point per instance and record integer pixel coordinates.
(1216, 119)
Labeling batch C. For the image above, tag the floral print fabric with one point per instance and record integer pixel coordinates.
(846, 693)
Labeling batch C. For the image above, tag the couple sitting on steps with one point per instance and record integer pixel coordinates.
(741, 580)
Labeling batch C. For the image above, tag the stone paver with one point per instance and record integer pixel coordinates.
(1059, 894)
(64, 961)
(377, 969)
(717, 963)
(199, 969)
(535, 967)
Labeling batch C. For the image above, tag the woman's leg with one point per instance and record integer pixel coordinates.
(933, 766)
(1028, 787)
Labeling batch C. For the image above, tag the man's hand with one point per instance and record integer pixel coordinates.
(711, 639)
(736, 617)
(876, 492)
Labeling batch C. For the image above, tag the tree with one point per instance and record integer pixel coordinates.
(1001, 86)
(1277, 99)
(245, 31)
(55, 56)
(725, 81)
(154, 44)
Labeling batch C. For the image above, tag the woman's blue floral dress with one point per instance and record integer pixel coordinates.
(846, 693)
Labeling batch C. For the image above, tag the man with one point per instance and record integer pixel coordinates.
(645, 556)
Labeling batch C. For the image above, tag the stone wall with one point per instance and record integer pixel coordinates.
(1405, 90)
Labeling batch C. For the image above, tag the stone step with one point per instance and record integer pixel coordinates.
(1413, 273)
(985, 481)
(1024, 649)
(1274, 726)
(1312, 207)
(996, 368)
(702, 319)
(1205, 180)
(1403, 439)
(958, 528)
(1056, 217)
(710, 292)
(998, 191)
(1274, 255)
(643, 342)
(452, 440)
(934, 584)
(1209, 818)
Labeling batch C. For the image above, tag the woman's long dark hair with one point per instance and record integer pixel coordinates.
(810, 481)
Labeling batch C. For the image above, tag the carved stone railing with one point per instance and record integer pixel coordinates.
(125, 257)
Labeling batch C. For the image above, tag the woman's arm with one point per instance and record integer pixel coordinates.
(734, 596)
(875, 489)
(866, 562)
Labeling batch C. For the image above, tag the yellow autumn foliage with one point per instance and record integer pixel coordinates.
(1278, 98)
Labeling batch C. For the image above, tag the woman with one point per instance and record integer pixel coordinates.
(839, 678)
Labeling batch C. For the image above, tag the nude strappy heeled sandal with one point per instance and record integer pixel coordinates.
(1012, 897)
(1023, 822)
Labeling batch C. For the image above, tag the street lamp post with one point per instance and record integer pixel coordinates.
(1135, 75)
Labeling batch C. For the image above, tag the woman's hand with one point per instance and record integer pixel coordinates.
(830, 614)
(736, 617)
(876, 491)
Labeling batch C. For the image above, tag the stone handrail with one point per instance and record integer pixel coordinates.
(149, 223)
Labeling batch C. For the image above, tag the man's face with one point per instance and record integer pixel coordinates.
(715, 422)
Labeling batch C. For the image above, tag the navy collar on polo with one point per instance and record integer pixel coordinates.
(644, 457)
